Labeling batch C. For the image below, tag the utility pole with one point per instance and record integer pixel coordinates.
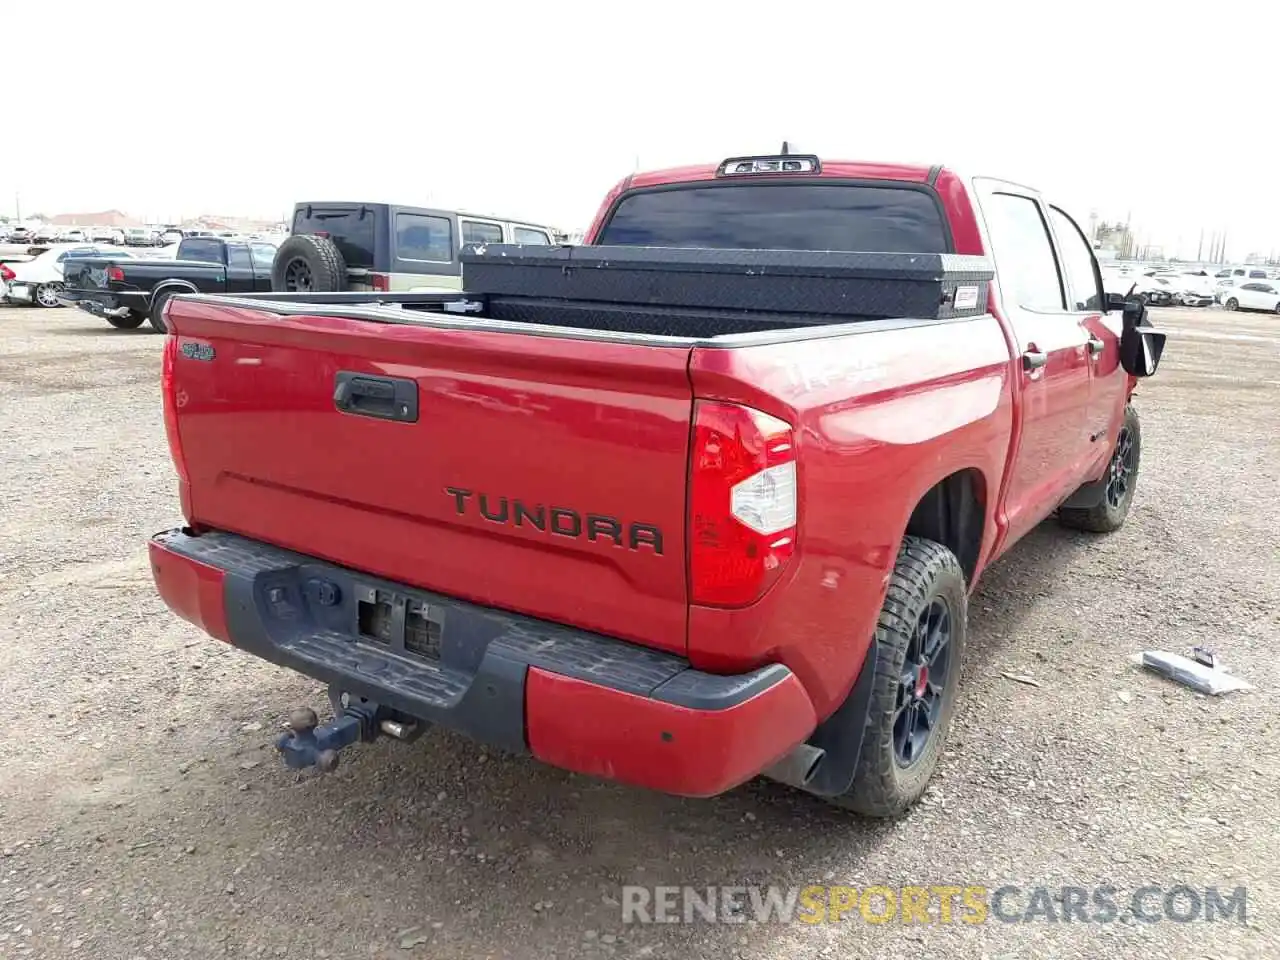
(17, 206)
(1200, 247)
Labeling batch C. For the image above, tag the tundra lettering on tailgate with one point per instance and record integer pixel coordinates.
(561, 521)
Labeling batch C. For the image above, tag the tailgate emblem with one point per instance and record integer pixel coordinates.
(560, 521)
(197, 351)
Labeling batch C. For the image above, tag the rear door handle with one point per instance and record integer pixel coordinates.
(384, 398)
(1034, 360)
(1096, 346)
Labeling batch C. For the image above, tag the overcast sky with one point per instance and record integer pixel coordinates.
(533, 110)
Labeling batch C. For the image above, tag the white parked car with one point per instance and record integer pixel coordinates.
(38, 281)
(1194, 289)
(1254, 295)
(1235, 273)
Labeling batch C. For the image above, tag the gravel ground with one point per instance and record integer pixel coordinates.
(143, 814)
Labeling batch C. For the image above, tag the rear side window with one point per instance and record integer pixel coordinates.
(420, 237)
(791, 216)
(353, 230)
(1024, 256)
(473, 232)
(526, 235)
(197, 248)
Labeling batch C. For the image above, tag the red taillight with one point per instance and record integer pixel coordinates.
(5, 273)
(380, 282)
(116, 274)
(742, 508)
(172, 401)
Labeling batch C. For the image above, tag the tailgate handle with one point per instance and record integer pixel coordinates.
(385, 398)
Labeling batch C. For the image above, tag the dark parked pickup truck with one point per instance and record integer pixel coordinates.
(703, 499)
(127, 292)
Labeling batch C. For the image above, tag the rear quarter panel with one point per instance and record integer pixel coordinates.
(880, 417)
(205, 277)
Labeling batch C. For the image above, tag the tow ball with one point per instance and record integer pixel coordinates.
(312, 744)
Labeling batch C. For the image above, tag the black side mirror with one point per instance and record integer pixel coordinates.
(1141, 346)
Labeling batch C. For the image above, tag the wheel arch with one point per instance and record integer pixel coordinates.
(953, 512)
(172, 286)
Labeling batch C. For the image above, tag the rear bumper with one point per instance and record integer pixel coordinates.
(18, 292)
(103, 303)
(578, 700)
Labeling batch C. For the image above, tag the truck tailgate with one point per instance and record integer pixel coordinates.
(540, 474)
(86, 273)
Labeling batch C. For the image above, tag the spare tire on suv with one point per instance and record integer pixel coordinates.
(306, 263)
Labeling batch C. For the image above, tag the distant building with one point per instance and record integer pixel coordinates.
(106, 218)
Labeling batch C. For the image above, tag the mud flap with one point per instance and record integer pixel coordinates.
(840, 735)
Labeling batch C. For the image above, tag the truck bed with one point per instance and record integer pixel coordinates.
(685, 294)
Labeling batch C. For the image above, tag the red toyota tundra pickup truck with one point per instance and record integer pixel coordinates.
(701, 499)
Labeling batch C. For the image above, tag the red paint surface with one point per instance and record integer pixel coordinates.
(191, 589)
(694, 753)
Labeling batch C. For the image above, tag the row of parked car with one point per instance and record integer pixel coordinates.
(1235, 288)
(37, 277)
(116, 236)
(333, 247)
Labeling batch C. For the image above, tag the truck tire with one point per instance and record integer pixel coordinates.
(920, 646)
(130, 321)
(308, 264)
(155, 316)
(1119, 483)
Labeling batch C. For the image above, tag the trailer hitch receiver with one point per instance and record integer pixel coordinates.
(310, 744)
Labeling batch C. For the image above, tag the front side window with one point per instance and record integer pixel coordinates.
(1077, 263)
(263, 255)
(238, 257)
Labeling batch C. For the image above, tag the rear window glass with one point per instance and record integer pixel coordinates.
(526, 235)
(352, 230)
(419, 237)
(781, 217)
(195, 248)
